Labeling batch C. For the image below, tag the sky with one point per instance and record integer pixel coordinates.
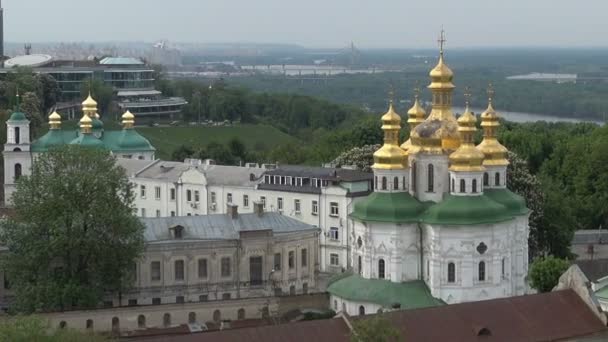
(313, 23)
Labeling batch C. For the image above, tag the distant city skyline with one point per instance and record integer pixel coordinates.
(314, 23)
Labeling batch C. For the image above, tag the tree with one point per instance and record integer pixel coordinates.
(375, 329)
(360, 157)
(74, 237)
(545, 272)
(182, 153)
(50, 92)
(237, 148)
(29, 328)
(31, 106)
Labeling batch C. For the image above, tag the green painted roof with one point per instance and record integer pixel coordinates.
(88, 140)
(466, 210)
(17, 116)
(130, 140)
(602, 293)
(411, 294)
(117, 141)
(514, 203)
(53, 137)
(388, 207)
(97, 124)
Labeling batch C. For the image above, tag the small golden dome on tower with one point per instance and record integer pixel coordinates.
(128, 120)
(495, 153)
(55, 120)
(86, 123)
(467, 157)
(390, 156)
(416, 116)
(89, 107)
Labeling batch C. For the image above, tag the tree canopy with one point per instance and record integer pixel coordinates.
(545, 272)
(74, 237)
(29, 328)
(374, 329)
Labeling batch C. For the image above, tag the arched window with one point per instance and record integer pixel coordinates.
(497, 179)
(62, 325)
(18, 171)
(396, 183)
(474, 185)
(486, 179)
(192, 317)
(384, 181)
(217, 315)
(343, 307)
(16, 149)
(335, 305)
(265, 312)
(453, 185)
(360, 264)
(115, 325)
(141, 322)
(431, 178)
(361, 310)
(381, 273)
(17, 135)
(376, 182)
(462, 185)
(414, 176)
(403, 183)
(167, 320)
(482, 271)
(451, 272)
(89, 324)
(503, 265)
(240, 314)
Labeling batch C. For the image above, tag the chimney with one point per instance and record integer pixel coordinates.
(233, 211)
(258, 208)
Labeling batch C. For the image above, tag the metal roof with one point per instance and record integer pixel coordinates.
(220, 226)
(590, 236)
(28, 61)
(333, 174)
(121, 61)
(593, 269)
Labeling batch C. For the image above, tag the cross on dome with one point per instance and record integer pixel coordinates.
(441, 40)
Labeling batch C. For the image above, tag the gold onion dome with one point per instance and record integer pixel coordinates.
(55, 120)
(495, 153)
(416, 116)
(439, 131)
(86, 123)
(128, 120)
(467, 157)
(89, 107)
(390, 156)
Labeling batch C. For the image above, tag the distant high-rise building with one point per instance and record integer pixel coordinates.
(1, 30)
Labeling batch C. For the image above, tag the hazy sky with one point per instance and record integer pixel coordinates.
(313, 23)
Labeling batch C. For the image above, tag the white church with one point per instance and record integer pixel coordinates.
(441, 225)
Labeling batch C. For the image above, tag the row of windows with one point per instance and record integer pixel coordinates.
(291, 262)
(463, 186)
(481, 271)
(431, 180)
(178, 269)
(157, 193)
(395, 186)
(295, 181)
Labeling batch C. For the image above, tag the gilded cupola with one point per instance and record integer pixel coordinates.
(86, 123)
(416, 116)
(467, 157)
(89, 107)
(55, 120)
(390, 156)
(128, 120)
(495, 153)
(439, 132)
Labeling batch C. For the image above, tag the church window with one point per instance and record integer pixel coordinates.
(335, 305)
(384, 183)
(17, 135)
(360, 265)
(403, 183)
(381, 273)
(497, 179)
(376, 182)
(451, 272)
(18, 171)
(486, 179)
(431, 178)
(474, 184)
(482, 248)
(359, 242)
(462, 185)
(502, 267)
(396, 183)
(453, 185)
(179, 269)
(482, 271)
(361, 310)
(414, 176)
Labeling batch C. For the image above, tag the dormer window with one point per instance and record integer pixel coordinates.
(177, 232)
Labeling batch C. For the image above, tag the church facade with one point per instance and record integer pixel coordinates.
(441, 225)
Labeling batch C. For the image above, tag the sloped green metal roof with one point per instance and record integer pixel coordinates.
(466, 210)
(126, 140)
(411, 295)
(17, 116)
(53, 137)
(388, 207)
(88, 140)
(514, 203)
(129, 140)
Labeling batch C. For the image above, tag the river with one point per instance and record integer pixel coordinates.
(530, 117)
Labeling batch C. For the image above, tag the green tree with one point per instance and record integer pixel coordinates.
(50, 92)
(218, 152)
(360, 157)
(237, 148)
(74, 237)
(31, 106)
(182, 153)
(374, 329)
(545, 272)
(33, 329)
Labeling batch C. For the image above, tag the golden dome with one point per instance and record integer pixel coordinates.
(416, 116)
(128, 119)
(390, 156)
(495, 153)
(467, 157)
(86, 123)
(55, 120)
(89, 107)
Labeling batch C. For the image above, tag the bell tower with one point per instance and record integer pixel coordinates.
(17, 155)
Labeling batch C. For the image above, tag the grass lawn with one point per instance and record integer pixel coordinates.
(255, 137)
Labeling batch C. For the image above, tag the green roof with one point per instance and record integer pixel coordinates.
(88, 140)
(388, 207)
(514, 203)
(97, 124)
(466, 210)
(602, 293)
(130, 140)
(53, 137)
(411, 295)
(17, 116)
(117, 141)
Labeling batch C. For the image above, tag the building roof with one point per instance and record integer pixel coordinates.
(410, 295)
(220, 226)
(466, 210)
(331, 174)
(133, 166)
(590, 236)
(121, 61)
(112, 140)
(388, 207)
(34, 60)
(17, 116)
(232, 175)
(593, 269)
(553, 316)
